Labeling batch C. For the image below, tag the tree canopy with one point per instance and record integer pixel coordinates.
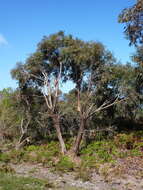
(133, 19)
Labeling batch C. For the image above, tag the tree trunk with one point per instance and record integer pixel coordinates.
(76, 145)
(21, 144)
(59, 134)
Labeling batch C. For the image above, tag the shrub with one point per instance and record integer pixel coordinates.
(65, 164)
(6, 168)
(32, 148)
(83, 173)
(125, 141)
(4, 157)
(100, 151)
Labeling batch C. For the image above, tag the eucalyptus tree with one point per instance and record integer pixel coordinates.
(61, 58)
(42, 72)
(93, 84)
(133, 19)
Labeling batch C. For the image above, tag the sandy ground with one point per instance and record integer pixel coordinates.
(126, 175)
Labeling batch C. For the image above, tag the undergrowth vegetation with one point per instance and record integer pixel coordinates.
(12, 182)
(92, 156)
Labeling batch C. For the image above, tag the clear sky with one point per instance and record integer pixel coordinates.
(23, 23)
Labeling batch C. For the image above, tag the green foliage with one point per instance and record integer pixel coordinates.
(14, 156)
(139, 145)
(36, 154)
(96, 154)
(125, 141)
(4, 157)
(10, 116)
(65, 164)
(48, 155)
(107, 151)
(81, 62)
(101, 151)
(129, 141)
(132, 17)
(42, 154)
(12, 182)
(32, 148)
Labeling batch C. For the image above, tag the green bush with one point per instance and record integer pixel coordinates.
(42, 154)
(125, 141)
(4, 157)
(65, 164)
(100, 151)
(32, 148)
(14, 156)
(93, 155)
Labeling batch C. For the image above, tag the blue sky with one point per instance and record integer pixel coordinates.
(24, 23)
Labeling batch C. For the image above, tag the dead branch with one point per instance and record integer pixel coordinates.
(22, 143)
(105, 106)
(24, 130)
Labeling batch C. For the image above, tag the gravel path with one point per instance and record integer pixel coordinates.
(64, 181)
(68, 181)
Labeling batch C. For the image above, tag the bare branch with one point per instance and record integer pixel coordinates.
(78, 101)
(36, 77)
(57, 86)
(107, 106)
(21, 126)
